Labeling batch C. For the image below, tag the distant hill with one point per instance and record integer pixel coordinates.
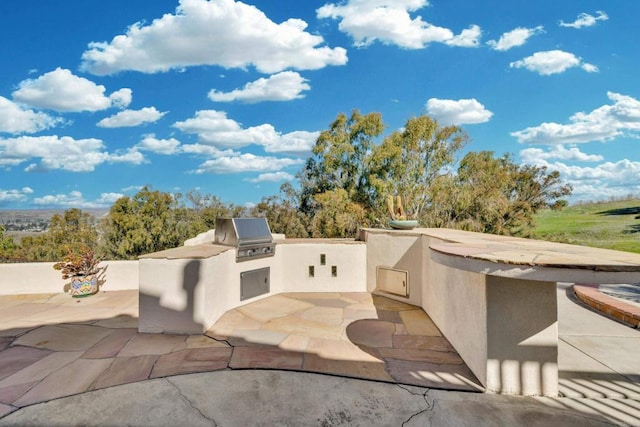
(611, 225)
(27, 222)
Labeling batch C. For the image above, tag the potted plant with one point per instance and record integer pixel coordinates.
(398, 218)
(81, 266)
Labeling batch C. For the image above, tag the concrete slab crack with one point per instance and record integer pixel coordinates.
(427, 399)
(191, 404)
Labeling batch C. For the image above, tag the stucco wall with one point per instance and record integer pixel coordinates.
(189, 295)
(41, 278)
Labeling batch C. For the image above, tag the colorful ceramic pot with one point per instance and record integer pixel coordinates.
(83, 286)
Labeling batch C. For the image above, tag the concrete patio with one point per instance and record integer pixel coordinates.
(56, 352)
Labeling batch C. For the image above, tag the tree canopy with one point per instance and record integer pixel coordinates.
(343, 186)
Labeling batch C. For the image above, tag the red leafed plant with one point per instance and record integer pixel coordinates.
(82, 262)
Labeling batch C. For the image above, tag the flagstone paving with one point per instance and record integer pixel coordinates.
(53, 345)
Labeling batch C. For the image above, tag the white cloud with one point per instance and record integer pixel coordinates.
(558, 152)
(160, 146)
(246, 162)
(225, 33)
(15, 119)
(14, 195)
(213, 127)
(602, 124)
(75, 199)
(462, 111)
(390, 22)
(60, 90)
(272, 177)
(514, 38)
(121, 98)
(108, 199)
(283, 86)
(66, 153)
(603, 181)
(131, 118)
(552, 62)
(585, 20)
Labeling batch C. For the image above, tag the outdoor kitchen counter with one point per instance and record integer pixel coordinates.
(205, 250)
(495, 297)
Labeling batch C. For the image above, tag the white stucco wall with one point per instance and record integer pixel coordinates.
(41, 278)
(188, 295)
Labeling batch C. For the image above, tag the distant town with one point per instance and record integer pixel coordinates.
(21, 222)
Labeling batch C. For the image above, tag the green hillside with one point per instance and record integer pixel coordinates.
(612, 225)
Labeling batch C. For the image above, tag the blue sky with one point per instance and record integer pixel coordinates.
(100, 98)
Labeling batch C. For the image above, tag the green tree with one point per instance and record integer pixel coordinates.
(337, 216)
(74, 228)
(7, 245)
(341, 159)
(408, 161)
(148, 222)
(204, 210)
(493, 195)
(283, 213)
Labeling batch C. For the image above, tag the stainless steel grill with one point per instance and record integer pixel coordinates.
(250, 236)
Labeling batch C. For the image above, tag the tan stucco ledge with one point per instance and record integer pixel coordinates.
(531, 259)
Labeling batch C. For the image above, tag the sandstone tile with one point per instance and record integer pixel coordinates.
(25, 311)
(63, 337)
(371, 333)
(295, 326)
(203, 341)
(295, 343)
(191, 360)
(6, 410)
(71, 379)
(418, 341)
(254, 337)
(71, 314)
(42, 368)
(110, 345)
(17, 358)
(5, 342)
(124, 370)
(349, 368)
(401, 329)
(231, 321)
(148, 344)
(357, 314)
(418, 323)
(360, 297)
(422, 355)
(424, 374)
(389, 316)
(119, 321)
(339, 350)
(382, 303)
(9, 394)
(313, 295)
(12, 329)
(265, 358)
(326, 302)
(327, 315)
(273, 307)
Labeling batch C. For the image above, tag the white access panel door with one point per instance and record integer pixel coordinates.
(392, 281)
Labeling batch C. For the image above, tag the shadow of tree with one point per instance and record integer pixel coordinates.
(622, 211)
(632, 229)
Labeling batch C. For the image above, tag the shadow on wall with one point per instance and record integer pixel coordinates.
(174, 308)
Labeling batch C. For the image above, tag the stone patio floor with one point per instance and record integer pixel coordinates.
(53, 345)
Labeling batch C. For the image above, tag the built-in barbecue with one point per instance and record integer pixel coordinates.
(250, 236)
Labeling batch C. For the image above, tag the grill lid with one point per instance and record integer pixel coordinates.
(242, 232)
